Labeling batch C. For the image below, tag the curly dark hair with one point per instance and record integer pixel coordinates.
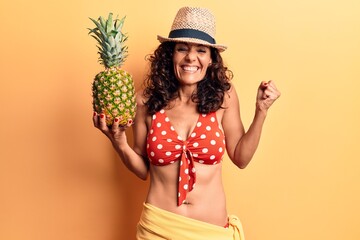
(161, 85)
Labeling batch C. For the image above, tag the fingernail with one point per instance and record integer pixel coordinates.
(116, 119)
(130, 121)
(102, 115)
(95, 114)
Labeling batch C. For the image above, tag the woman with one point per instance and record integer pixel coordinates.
(187, 116)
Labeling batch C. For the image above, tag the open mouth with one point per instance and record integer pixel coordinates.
(190, 69)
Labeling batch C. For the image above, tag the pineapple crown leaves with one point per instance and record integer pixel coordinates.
(110, 39)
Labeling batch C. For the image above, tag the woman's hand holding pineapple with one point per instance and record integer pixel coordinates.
(115, 132)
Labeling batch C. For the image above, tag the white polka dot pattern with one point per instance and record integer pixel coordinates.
(205, 145)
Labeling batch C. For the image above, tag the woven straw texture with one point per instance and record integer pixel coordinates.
(196, 18)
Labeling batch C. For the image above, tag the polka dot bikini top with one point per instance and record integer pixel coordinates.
(205, 145)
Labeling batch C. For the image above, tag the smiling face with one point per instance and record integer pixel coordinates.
(191, 62)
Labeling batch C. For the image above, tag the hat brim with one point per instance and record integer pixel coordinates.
(220, 47)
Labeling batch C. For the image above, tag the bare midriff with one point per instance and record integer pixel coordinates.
(206, 202)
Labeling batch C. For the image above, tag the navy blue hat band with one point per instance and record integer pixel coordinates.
(191, 33)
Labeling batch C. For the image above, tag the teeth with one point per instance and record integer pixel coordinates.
(192, 69)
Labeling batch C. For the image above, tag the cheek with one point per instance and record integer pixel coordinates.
(176, 70)
(204, 69)
(206, 62)
(176, 64)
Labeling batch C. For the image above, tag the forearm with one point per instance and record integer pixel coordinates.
(131, 157)
(249, 142)
(132, 160)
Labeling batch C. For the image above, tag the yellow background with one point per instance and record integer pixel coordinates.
(60, 178)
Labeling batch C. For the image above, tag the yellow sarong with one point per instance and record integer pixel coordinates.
(156, 224)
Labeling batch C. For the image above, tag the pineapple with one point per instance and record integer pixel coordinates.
(113, 89)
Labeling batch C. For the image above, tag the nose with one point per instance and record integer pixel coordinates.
(192, 55)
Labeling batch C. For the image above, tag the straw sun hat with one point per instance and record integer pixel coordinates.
(193, 25)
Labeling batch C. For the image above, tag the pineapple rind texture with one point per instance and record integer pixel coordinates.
(114, 96)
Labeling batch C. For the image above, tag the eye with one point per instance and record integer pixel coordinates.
(181, 49)
(202, 49)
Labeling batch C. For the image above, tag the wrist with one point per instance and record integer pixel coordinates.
(261, 112)
(120, 143)
(121, 147)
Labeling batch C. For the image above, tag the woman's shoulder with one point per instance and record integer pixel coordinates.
(141, 108)
(141, 103)
(141, 99)
(230, 96)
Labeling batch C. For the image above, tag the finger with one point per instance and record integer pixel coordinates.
(263, 85)
(267, 94)
(130, 122)
(102, 123)
(272, 84)
(270, 88)
(274, 90)
(96, 119)
(261, 90)
(272, 94)
(127, 125)
(115, 125)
